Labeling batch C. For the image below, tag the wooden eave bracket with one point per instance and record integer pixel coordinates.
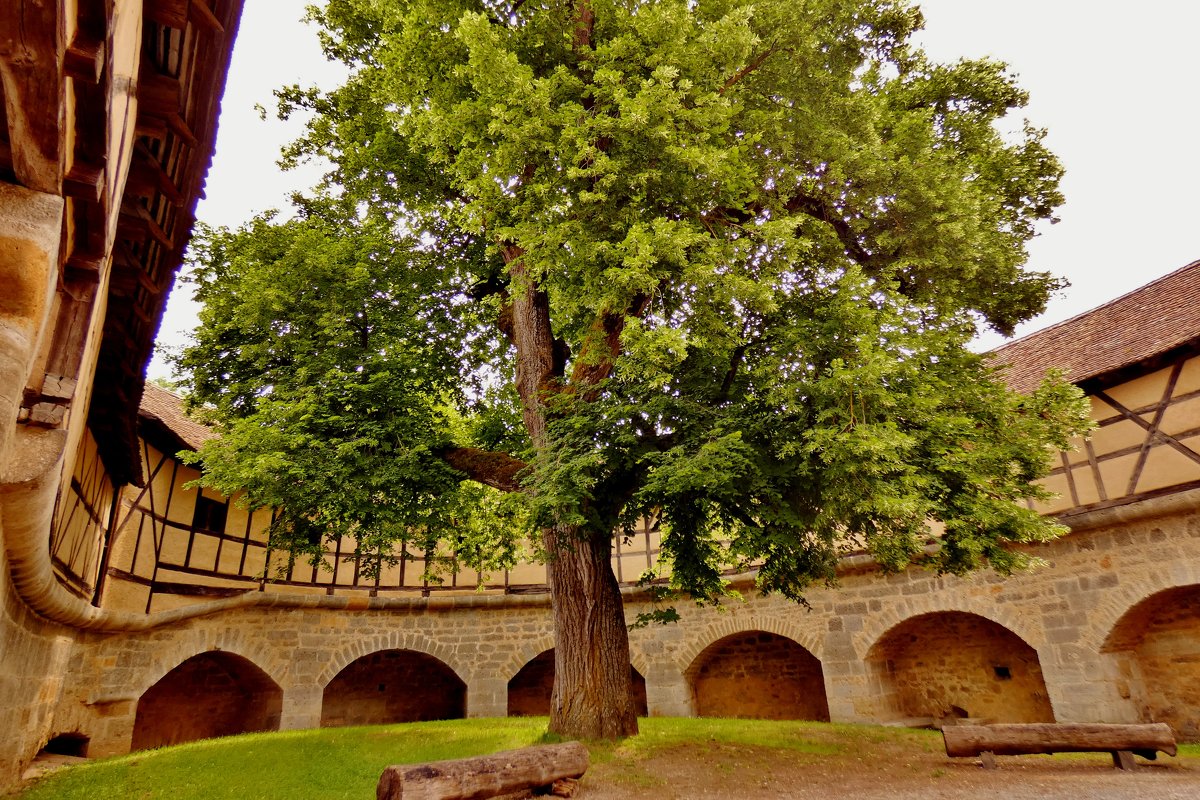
(46, 406)
(84, 59)
(85, 182)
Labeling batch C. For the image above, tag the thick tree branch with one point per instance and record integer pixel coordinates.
(754, 64)
(498, 470)
(538, 360)
(585, 20)
(816, 207)
(600, 352)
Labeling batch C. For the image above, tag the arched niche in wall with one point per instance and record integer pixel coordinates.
(210, 694)
(529, 690)
(757, 675)
(391, 686)
(952, 664)
(1156, 644)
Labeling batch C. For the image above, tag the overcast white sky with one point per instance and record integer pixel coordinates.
(1116, 83)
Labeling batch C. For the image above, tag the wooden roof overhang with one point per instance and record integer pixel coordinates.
(113, 105)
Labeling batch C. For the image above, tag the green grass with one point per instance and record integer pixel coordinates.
(345, 763)
(322, 764)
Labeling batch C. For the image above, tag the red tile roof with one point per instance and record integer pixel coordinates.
(1150, 320)
(166, 408)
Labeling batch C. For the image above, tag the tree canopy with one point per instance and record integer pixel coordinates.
(575, 264)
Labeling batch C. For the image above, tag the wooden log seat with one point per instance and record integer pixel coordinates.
(988, 741)
(546, 769)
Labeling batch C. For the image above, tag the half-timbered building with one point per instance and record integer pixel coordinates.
(108, 112)
(137, 610)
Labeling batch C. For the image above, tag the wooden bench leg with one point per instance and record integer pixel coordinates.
(988, 759)
(1123, 759)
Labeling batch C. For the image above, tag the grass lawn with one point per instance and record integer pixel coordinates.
(345, 763)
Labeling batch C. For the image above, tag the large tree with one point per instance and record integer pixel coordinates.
(711, 262)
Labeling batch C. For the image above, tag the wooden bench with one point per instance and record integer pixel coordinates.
(546, 769)
(1123, 741)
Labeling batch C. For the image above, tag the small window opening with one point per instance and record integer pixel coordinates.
(68, 744)
(210, 515)
(1003, 673)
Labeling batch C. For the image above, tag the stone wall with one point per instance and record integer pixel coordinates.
(34, 655)
(393, 686)
(953, 664)
(211, 694)
(1060, 619)
(758, 675)
(1157, 646)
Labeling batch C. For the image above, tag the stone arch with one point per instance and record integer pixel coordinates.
(213, 693)
(529, 689)
(1156, 647)
(878, 624)
(757, 674)
(953, 664)
(390, 686)
(1115, 602)
(390, 640)
(731, 625)
(166, 656)
(529, 650)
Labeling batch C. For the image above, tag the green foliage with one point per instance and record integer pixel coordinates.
(764, 234)
(334, 376)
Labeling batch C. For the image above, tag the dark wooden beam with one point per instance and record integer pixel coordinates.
(158, 95)
(83, 266)
(202, 17)
(147, 177)
(84, 60)
(172, 13)
(84, 182)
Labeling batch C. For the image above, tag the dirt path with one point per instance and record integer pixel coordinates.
(738, 772)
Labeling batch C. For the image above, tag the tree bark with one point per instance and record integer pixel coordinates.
(593, 689)
(484, 776)
(592, 696)
(1014, 739)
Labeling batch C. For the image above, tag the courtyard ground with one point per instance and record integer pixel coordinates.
(673, 759)
(887, 766)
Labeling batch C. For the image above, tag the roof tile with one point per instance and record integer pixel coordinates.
(1150, 320)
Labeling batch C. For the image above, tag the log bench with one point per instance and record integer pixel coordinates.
(1123, 741)
(546, 769)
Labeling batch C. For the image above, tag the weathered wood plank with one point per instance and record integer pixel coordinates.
(963, 741)
(484, 776)
(31, 58)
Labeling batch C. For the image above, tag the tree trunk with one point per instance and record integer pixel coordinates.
(593, 690)
(1022, 739)
(538, 767)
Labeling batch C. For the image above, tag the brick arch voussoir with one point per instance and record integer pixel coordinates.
(733, 626)
(392, 640)
(881, 624)
(526, 652)
(1110, 613)
(198, 642)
